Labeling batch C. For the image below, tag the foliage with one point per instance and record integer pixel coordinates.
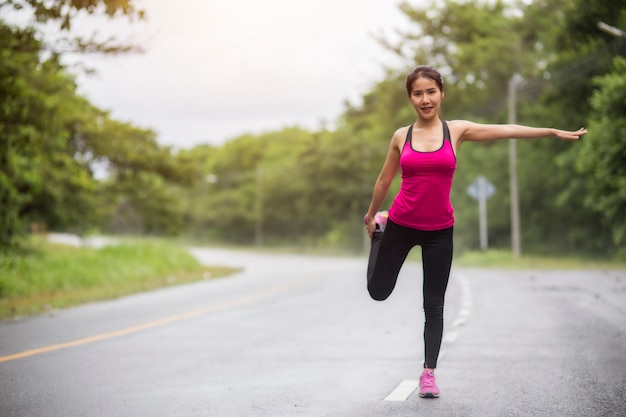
(582, 52)
(16, 129)
(602, 159)
(39, 172)
(70, 166)
(63, 13)
(479, 48)
(54, 143)
(143, 178)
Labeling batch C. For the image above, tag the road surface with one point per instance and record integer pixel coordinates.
(298, 336)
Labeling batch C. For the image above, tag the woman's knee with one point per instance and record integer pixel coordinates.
(379, 294)
(433, 311)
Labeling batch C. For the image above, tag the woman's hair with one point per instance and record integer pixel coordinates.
(423, 71)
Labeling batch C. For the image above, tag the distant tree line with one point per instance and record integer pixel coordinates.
(311, 188)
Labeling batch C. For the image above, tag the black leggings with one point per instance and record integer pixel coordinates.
(387, 254)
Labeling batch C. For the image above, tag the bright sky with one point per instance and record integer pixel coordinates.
(217, 69)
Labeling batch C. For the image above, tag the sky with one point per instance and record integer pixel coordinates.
(214, 70)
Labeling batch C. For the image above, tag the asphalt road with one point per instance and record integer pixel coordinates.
(299, 336)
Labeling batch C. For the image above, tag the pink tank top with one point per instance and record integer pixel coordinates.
(423, 202)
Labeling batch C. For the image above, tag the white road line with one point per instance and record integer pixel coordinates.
(459, 322)
(466, 302)
(464, 312)
(407, 386)
(450, 337)
(466, 295)
(403, 390)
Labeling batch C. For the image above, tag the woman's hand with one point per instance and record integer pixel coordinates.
(564, 134)
(370, 225)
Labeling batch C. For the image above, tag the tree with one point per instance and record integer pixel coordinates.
(602, 157)
(38, 169)
(581, 52)
(52, 140)
(63, 13)
(478, 47)
(13, 127)
(141, 191)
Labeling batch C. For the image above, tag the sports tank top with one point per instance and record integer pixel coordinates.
(423, 202)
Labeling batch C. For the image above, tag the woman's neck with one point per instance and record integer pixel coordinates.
(427, 123)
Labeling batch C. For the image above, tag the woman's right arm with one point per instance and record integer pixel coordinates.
(387, 173)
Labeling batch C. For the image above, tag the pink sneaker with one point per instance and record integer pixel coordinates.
(428, 385)
(380, 219)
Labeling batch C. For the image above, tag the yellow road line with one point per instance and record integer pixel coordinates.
(152, 324)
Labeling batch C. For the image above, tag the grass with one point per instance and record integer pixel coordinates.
(502, 259)
(492, 258)
(42, 276)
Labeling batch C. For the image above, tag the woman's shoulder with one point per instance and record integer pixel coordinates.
(458, 123)
(399, 138)
(459, 127)
(401, 133)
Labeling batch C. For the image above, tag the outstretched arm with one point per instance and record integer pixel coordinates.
(470, 131)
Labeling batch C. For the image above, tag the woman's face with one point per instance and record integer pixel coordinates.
(426, 98)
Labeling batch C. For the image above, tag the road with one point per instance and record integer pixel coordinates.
(298, 336)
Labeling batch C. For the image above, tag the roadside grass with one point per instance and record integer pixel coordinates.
(502, 259)
(492, 258)
(42, 276)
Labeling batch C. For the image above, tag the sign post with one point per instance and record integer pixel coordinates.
(481, 189)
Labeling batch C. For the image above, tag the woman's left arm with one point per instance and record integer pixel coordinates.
(475, 132)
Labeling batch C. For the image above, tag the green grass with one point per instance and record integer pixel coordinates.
(494, 258)
(43, 276)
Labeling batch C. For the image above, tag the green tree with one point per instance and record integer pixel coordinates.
(62, 13)
(53, 142)
(581, 51)
(478, 47)
(253, 187)
(602, 157)
(318, 184)
(38, 169)
(16, 129)
(141, 191)
(40, 178)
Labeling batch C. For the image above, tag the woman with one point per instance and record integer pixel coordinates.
(421, 213)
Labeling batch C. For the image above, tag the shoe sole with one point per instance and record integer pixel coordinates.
(429, 395)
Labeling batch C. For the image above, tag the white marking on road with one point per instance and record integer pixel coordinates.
(459, 322)
(403, 390)
(464, 312)
(466, 302)
(450, 337)
(407, 386)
